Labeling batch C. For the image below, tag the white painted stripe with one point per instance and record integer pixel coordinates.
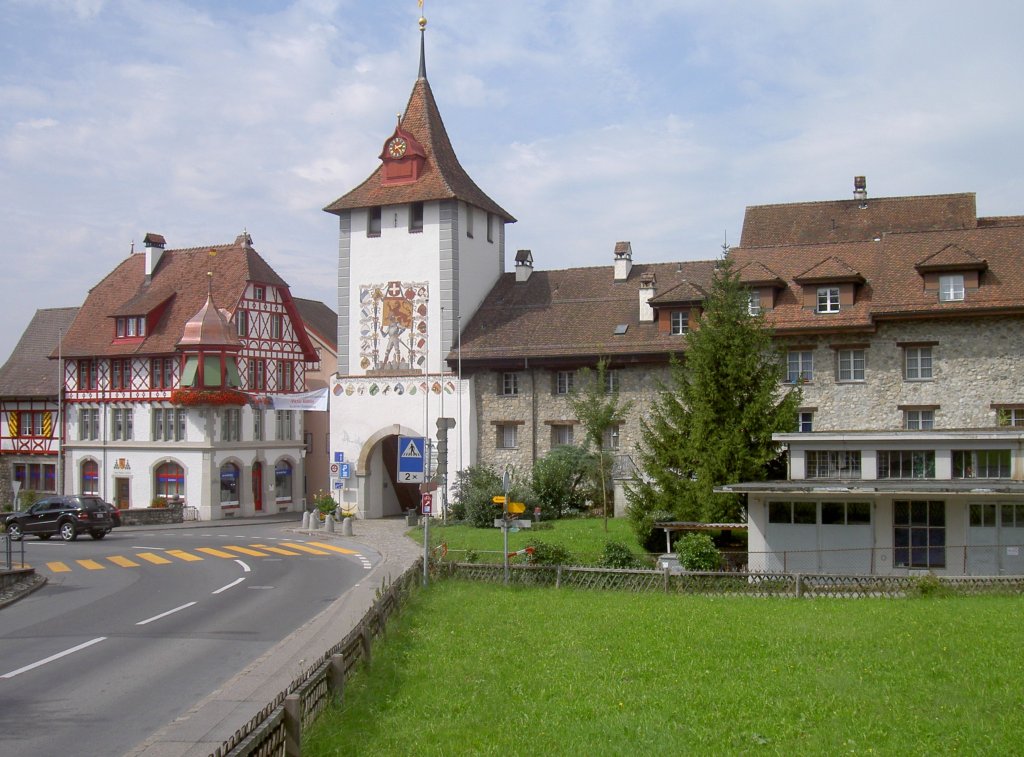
(228, 586)
(53, 657)
(164, 614)
(245, 567)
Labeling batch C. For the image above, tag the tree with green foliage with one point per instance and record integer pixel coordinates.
(474, 489)
(561, 480)
(712, 424)
(598, 407)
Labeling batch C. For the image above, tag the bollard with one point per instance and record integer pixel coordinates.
(329, 523)
(346, 526)
(305, 520)
(314, 521)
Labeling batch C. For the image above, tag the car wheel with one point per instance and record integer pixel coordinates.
(97, 534)
(44, 537)
(14, 531)
(67, 531)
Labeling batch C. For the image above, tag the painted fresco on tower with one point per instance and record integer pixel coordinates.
(393, 326)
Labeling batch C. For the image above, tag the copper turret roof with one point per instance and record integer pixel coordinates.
(209, 327)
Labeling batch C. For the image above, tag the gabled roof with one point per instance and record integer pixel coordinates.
(683, 293)
(320, 319)
(854, 220)
(952, 257)
(829, 270)
(29, 372)
(442, 177)
(757, 274)
(572, 315)
(179, 284)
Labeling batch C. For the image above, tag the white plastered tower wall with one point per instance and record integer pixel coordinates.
(445, 274)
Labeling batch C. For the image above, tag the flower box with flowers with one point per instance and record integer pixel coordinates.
(216, 397)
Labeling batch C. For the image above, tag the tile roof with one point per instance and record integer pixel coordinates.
(179, 283)
(572, 314)
(442, 177)
(893, 287)
(29, 372)
(952, 257)
(854, 220)
(320, 319)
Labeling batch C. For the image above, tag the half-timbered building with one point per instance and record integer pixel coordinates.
(169, 367)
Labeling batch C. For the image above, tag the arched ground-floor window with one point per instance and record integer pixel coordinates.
(283, 481)
(90, 477)
(229, 484)
(169, 481)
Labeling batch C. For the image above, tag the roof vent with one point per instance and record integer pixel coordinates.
(524, 265)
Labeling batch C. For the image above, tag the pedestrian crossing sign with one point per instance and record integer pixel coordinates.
(411, 459)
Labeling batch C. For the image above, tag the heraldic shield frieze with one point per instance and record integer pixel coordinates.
(393, 326)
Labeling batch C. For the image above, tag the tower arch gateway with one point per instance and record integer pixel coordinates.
(420, 246)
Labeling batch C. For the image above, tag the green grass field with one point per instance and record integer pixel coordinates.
(479, 669)
(583, 537)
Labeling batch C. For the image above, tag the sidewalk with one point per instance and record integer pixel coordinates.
(203, 728)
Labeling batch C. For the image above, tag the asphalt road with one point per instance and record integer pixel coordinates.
(132, 630)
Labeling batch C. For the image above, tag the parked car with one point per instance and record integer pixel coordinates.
(115, 514)
(66, 516)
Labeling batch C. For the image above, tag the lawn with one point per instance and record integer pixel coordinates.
(583, 537)
(475, 669)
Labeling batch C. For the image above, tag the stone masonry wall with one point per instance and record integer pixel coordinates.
(975, 363)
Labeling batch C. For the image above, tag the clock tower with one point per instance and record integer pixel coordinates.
(420, 245)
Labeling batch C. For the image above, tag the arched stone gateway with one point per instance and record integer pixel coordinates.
(380, 496)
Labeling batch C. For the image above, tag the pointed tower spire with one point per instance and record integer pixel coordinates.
(423, 54)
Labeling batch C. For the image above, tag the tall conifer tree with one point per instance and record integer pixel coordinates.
(713, 422)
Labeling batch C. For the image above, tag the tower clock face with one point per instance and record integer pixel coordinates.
(396, 147)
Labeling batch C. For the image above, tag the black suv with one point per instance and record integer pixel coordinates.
(64, 515)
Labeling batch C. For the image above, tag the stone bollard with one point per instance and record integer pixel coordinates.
(346, 526)
(329, 523)
(305, 520)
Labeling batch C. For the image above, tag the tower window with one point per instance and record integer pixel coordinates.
(469, 221)
(373, 222)
(415, 217)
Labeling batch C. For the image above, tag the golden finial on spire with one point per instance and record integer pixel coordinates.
(423, 19)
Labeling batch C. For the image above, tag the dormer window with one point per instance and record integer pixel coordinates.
(259, 293)
(680, 322)
(131, 327)
(754, 302)
(828, 299)
(951, 287)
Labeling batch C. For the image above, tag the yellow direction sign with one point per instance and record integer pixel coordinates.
(499, 500)
(516, 507)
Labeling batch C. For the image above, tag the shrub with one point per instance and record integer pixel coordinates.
(324, 502)
(618, 555)
(698, 552)
(158, 502)
(474, 488)
(650, 537)
(545, 553)
(929, 585)
(561, 481)
(27, 498)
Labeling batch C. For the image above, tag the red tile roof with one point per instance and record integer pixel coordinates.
(180, 280)
(854, 220)
(442, 177)
(572, 314)
(29, 372)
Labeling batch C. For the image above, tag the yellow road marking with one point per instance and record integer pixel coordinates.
(304, 548)
(216, 552)
(183, 555)
(153, 558)
(331, 547)
(90, 564)
(58, 567)
(124, 562)
(246, 551)
(275, 550)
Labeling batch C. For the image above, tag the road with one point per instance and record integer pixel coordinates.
(132, 630)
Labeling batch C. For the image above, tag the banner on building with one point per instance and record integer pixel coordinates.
(315, 400)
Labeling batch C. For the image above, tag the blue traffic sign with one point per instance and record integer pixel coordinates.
(344, 470)
(411, 459)
(339, 457)
(338, 484)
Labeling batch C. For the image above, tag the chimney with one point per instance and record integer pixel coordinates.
(623, 260)
(524, 265)
(860, 188)
(647, 290)
(154, 244)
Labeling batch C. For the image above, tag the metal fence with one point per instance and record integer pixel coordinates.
(13, 552)
(277, 728)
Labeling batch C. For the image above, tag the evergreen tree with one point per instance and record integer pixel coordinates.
(598, 409)
(713, 422)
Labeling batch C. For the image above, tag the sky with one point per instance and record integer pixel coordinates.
(652, 121)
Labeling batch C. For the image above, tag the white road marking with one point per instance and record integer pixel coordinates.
(228, 586)
(53, 657)
(164, 614)
(245, 567)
